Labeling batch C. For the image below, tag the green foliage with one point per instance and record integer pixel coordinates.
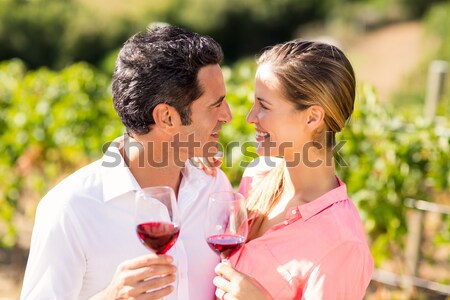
(390, 159)
(61, 32)
(36, 25)
(245, 27)
(420, 7)
(437, 24)
(236, 137)
(57, 33)
(51, 124)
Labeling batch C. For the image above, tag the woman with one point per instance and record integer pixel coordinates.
(306, 238)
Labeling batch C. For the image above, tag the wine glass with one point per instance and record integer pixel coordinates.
(157, 218)
(226, 226)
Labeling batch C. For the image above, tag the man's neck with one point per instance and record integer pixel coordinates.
(151, 163)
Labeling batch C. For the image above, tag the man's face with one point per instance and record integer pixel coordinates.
(208, 113)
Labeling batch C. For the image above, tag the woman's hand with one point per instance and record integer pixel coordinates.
(234, 285)
(209, 165)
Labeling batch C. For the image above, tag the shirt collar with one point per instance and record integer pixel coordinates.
(117, 177)
(316, 206)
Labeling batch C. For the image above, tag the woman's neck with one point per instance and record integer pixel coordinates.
(302, 185)
(310, 182)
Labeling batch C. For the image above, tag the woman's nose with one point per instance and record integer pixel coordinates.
(251, 117)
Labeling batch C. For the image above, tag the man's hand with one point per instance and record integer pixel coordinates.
(234, 285)
(144, 278)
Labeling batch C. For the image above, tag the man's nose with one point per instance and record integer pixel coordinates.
(225, 114)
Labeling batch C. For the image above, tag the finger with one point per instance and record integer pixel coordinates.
(150, 271)
(196, 162)
(219, 293)
(146, 260)
(206, 166)
(214, 162)
(206, 161)
(217, 159)
(202, 163)
(227, 271)
(222, 284)
(222, 295)
(158, 294)
(229, 296)
(210, 161)
(153, 284)
(209, 171)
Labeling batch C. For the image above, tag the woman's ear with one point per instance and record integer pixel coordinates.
(166, 117)
(315, 116)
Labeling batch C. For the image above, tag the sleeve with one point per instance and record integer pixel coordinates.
(344, 273)
(56, 263)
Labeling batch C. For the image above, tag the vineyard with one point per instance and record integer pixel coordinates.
(56, 119)
(60, 121)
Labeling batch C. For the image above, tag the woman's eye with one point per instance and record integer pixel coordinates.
(262, 105)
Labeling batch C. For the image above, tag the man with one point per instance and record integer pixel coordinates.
(169, 92)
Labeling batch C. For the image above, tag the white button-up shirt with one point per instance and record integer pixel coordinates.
(84, 228)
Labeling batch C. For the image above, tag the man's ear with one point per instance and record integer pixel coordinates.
(166, 117)
(314, 117)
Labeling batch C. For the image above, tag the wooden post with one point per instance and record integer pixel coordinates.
(436, 79)
(415, 219)
(410, 282)
(414, 240)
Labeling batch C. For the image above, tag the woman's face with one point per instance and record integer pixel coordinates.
(281, 130)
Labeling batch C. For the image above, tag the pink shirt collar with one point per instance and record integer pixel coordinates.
(308, 210)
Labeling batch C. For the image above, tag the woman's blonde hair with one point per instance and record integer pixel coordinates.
(310, 73)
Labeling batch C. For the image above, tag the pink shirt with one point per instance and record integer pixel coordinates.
(319, 252)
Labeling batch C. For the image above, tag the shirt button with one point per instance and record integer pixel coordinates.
(285, 222)
(293, 211)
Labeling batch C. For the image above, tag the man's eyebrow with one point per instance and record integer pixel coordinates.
(219, 101)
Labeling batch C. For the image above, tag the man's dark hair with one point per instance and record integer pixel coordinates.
(160, 66)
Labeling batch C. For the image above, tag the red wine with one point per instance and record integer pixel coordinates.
(158, 236)
(225, 244)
